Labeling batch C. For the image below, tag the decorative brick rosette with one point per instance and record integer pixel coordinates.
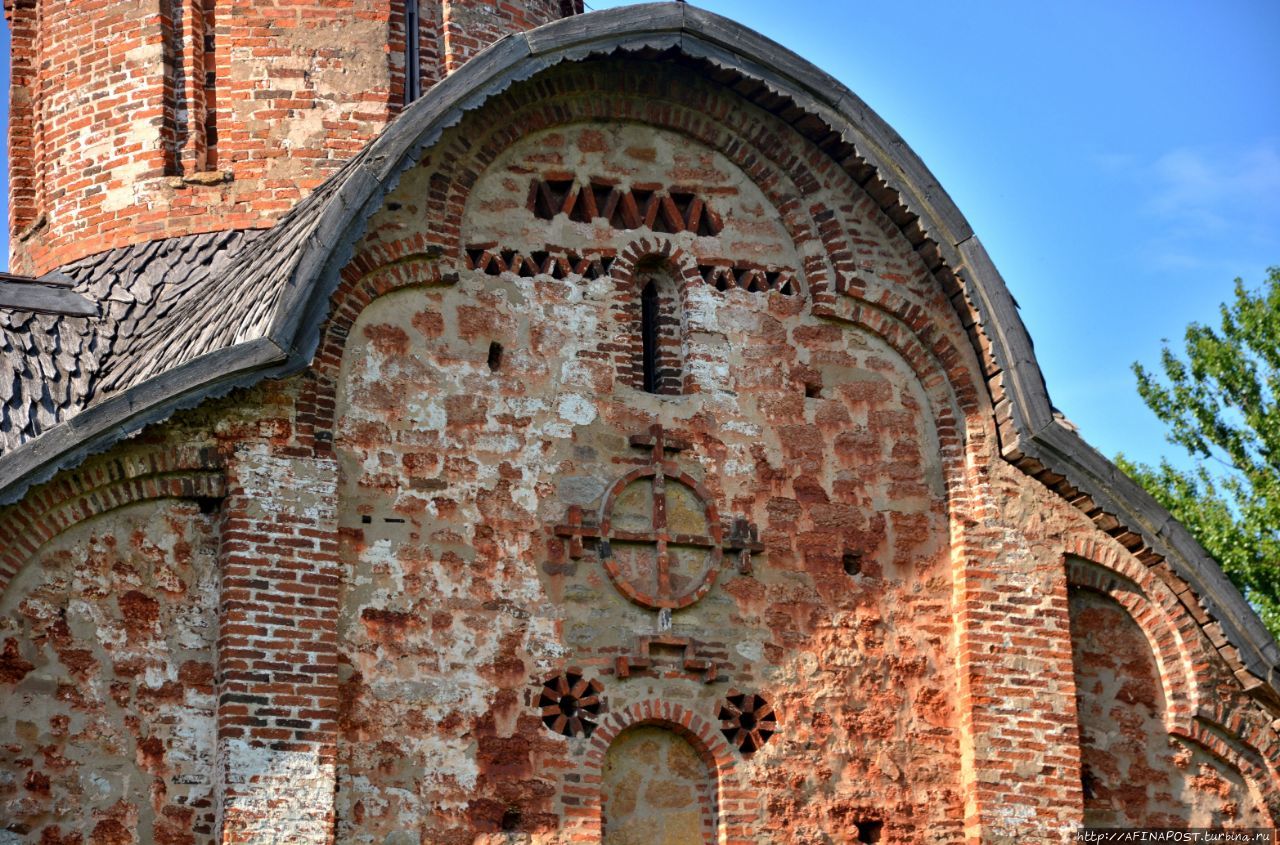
(747, 721)
(570, 703)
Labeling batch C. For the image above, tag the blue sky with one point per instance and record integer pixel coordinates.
(1120, 160)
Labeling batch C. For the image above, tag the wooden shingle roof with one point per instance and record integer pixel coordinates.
(55, 365)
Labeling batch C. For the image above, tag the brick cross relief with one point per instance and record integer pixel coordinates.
(659, 534)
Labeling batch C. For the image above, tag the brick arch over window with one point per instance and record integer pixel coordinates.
(631, 272)
(1182, 663)
(731, 805)
(178, 473)
(367, 277)
(1260, 772)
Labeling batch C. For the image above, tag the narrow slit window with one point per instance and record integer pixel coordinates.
(649, 335)
(412, 60)
(210, 83)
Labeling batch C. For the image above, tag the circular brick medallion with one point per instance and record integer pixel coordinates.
(570, 703)
(747, 720)
(660, 537)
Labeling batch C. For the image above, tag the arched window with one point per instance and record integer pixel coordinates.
(412, 57)
(649, 335)
(659, 354)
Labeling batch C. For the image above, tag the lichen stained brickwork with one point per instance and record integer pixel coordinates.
(409, 538)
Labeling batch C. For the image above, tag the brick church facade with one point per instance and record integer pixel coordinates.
(472, 422)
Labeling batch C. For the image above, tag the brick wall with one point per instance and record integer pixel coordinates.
(277, 691)
(468, 26)
(418, 635)
(158, 118)
(22, 18)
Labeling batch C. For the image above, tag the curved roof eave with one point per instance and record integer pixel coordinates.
(329, 230)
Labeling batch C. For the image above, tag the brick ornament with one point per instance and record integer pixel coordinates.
(570, 703)
(747, 721)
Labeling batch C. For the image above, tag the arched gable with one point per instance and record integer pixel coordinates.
(317, 239)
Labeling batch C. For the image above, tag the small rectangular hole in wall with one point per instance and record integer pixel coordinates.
(395, 519)
(852, 563)
(366, 520)
(813, 390)
(495, 356)
(869, 831)
(208, 504)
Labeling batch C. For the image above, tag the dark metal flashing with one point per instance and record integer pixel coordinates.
(46, 295)
(288, 275)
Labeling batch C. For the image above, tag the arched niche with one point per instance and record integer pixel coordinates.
(1134, 772)
(107, 643)
(657, 787)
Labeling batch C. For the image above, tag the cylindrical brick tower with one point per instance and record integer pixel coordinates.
(134, 120)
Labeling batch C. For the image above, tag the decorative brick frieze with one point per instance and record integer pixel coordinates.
(571, 703)
(652, 207)
(688, 664)
(727, 277)
(553, 262)
(747, 720)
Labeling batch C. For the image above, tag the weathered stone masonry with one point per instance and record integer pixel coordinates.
(523, 553)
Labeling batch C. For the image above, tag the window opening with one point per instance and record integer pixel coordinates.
(412, 61)
(649, 335)
(210, 66)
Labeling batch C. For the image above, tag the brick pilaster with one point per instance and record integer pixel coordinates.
(1019, 736)
(277, 649)
(22, 186)
(191, 31)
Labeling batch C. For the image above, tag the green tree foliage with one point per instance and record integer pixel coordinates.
(1222, 404)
